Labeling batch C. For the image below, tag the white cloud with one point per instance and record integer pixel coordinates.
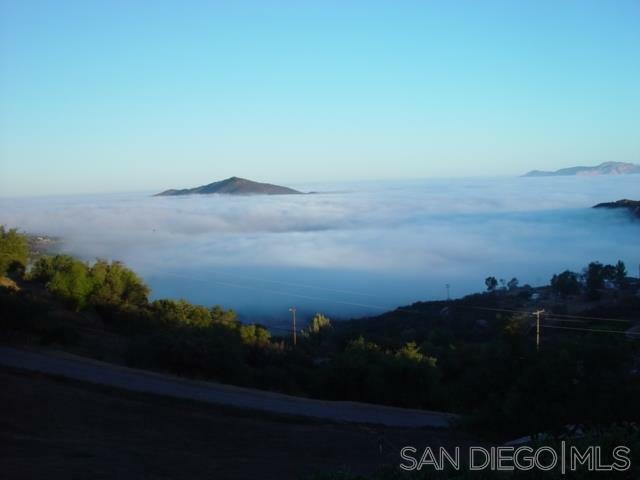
(398, 241)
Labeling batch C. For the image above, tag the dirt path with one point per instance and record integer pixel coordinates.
(79, 368)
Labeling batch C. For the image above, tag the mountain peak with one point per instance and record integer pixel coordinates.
(606, 168)
(632, 206)
(233, 186)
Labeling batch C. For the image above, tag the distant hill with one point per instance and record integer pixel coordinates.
(233, 186)
(606, 168)
(633, 206)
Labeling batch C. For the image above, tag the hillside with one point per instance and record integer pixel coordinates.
(479, 356)
(606, 168)
(233, 186)
(632, 206)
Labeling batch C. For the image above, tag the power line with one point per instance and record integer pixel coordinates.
(567, 320)
(286, 294)
(592, 318)
(390, 309)
(295, 284)
(579, 317)
(593, 330)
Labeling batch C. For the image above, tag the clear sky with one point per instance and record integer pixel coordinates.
(146, 95)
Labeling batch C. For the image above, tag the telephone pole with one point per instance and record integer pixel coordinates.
(448, 287)
(537, 314)
(293, 325)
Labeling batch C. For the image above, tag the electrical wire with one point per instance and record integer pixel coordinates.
(552, 317)
(592, 330)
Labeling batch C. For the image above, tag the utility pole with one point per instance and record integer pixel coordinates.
(537, 314)
(293, 325)
(448, 287)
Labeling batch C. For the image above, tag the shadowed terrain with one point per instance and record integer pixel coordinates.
(60, 429)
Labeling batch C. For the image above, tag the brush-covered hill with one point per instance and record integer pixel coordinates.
(606, 168)
(632, 206)
(233, 186)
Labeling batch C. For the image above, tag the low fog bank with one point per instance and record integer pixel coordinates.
(358, 251)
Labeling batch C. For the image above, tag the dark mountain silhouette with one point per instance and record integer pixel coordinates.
(633, 206)
(606, 168)
(234, 186)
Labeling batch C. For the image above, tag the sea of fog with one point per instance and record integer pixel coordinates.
(351, 250)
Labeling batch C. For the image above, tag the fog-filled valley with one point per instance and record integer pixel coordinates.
(349, 250)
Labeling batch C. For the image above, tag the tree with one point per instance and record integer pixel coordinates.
(318, 323)
(14, 251)
(114, 284)
(566, 283)
(491, 283)
(224, 317)
(411, 351)
(46, 267)
(103, 284)
(72, 283)
(595, 275)
(620, 274)
(181, 312)
(254, 335)
(512, 284)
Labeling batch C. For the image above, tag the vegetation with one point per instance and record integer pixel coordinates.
(566, 283)
(491, 283)
(82, 285)
(14, 251)
(474, 356)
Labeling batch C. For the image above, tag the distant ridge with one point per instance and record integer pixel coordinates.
(632, 206)
(606, 168)
(233, 186)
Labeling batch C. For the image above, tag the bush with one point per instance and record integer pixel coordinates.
(181, 312)
(80, 285)
(14, 251)
(72, 283)
(116, 284)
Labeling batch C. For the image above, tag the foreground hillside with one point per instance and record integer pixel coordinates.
(59, 429)
(478, 356)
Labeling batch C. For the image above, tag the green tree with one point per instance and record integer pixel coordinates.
(181, 312)
(224, 317)
(318, 323)
(72, 283)
(45, 267)
(254, 335)
(14, 251)
(114, 284)
(411, 351)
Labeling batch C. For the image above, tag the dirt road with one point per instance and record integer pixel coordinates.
(82, 369)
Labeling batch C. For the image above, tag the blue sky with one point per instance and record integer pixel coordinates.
(117, 96)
